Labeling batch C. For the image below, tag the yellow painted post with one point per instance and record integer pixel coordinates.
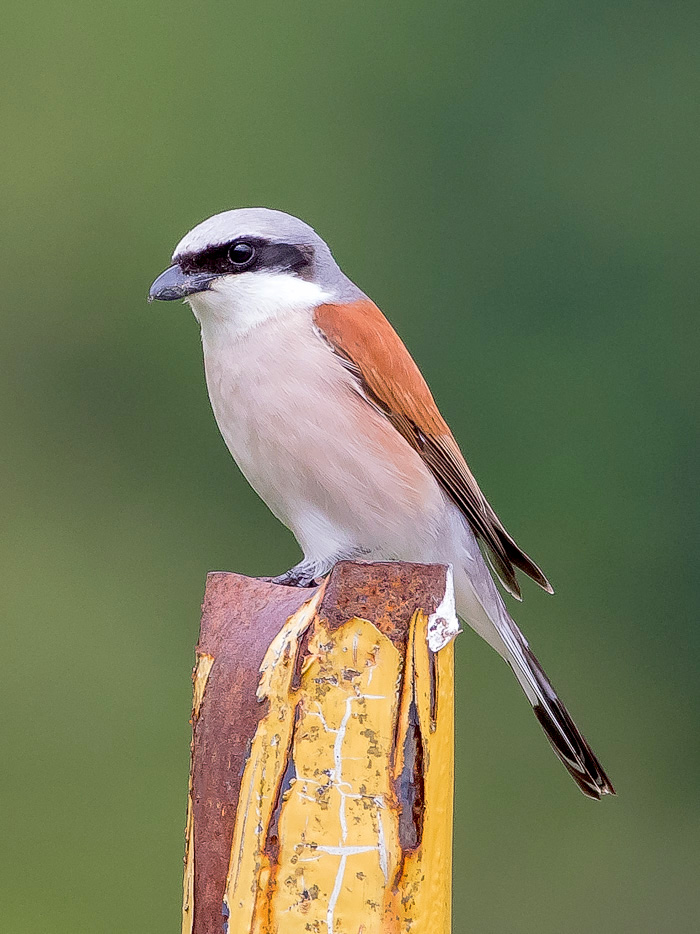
(341, 821)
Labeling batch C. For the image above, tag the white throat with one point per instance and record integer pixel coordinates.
(236, 304)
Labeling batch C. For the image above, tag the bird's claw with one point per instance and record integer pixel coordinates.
(294, 577)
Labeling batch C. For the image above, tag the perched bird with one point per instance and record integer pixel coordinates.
(331, 422)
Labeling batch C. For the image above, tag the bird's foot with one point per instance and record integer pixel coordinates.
(301, 575)
(310, 574)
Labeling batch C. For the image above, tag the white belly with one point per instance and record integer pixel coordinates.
(327, 465)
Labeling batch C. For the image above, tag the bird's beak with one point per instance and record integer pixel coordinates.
(174, 283)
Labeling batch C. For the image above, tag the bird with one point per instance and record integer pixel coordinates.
(333, 425)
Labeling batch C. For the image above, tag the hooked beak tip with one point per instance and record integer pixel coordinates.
(175, 283)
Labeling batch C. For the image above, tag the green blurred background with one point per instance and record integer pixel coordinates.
(516, 185)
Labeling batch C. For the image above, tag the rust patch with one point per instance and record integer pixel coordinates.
(386, 593)
(240, 617)
(434, 690)
(300, 659)
(409, 786)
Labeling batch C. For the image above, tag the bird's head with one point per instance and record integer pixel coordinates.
(250, 264)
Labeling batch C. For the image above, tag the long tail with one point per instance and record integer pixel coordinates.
(566, 739)
(481, 606)
(564, 736)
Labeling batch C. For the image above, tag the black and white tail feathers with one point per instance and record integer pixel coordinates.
(564, 736)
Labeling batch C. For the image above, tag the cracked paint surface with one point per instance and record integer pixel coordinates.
(345, 815)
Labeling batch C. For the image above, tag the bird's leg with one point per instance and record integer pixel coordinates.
(303, 574)
(309, 573)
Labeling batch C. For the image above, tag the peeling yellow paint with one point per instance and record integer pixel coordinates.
(200, 676)
(325, 841)
(422, 902)
(337, 826)
(249, 868)
(188, 887)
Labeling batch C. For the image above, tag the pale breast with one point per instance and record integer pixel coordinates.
(325, 462)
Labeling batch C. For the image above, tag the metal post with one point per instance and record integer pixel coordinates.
(322, 755)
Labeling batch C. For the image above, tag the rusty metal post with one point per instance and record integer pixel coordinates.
(322, 755)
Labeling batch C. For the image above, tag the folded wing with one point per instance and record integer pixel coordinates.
(389, 379)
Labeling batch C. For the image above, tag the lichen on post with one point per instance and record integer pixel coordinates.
(322, 762)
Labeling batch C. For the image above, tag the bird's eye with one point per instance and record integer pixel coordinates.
(241, 254)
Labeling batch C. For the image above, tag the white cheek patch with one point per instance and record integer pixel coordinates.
(247, 299)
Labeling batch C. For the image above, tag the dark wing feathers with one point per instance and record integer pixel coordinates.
(389, 378)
